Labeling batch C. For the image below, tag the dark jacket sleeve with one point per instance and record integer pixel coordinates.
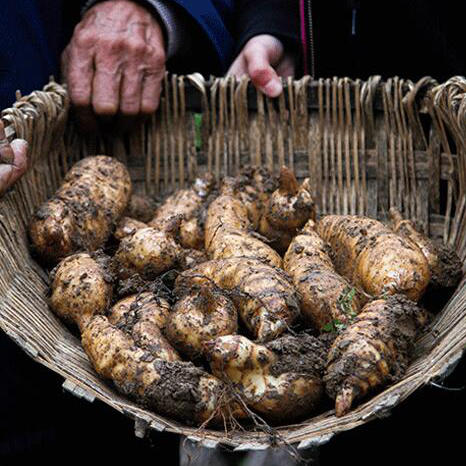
(206, 30)
(279, 18)
(33, 34)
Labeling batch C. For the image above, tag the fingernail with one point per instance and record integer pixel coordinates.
(273, 88)
(19, 144)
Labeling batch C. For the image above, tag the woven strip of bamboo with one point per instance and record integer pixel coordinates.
(366, 146)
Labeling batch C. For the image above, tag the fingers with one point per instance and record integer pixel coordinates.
(263, 60)
(239, 67)
(261, 72)
(151, 89)
(106, 85)
(78, 71)
(114, 64)
(11, 171)
(131, 91)
(286, 68)
(152, 81)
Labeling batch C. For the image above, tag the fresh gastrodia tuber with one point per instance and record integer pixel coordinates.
(288, 209)
(186, 203)
(228, 231)
(143, 316)
(84, 210)
(282, 381)
(81, 288)
(373, 257)
(264, 295)
(444, 264)
(373, 351)
(326, 297)
(169, 387)
(203, 314)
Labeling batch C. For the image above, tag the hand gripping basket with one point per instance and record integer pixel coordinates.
(367, 146)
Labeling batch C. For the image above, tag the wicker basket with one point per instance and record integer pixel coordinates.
(367, 146)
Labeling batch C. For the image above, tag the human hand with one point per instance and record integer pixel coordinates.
(13, 160)
(264, 60)
(115, 63)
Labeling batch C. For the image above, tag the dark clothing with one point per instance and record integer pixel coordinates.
(32, 35)
(280, 18)
(214, 17)
(410, 39)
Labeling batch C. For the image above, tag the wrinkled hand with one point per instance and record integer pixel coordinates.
(13, 160)
(264, 60)
(115, 63)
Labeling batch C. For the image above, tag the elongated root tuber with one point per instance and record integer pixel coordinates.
(281, 381)
(373, 257)
(84, 210)
(264, 295)
(444, 264)
(173, 388)
(81, 288)
(326, 297)
(373, 351)
(147, 252)
(143, 316)
(188, 204)
(228, 231)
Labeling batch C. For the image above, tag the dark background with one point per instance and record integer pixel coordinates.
(41, 422)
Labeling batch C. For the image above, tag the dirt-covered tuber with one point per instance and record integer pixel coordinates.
(373, 257)
(188, 204)
(172, 388)
(288, 209)
(203, 314)
(81, 288)
(444, 264)
(143, 316)
(228, 231)
(282, 381)
(264, 295)
(83, 212)
(373, 351)
(326, 298)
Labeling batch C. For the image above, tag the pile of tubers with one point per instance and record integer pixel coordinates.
(235, 299)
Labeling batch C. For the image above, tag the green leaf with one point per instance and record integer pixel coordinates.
(197, 130)
(328, 327)
(351, 294)
(339, 326)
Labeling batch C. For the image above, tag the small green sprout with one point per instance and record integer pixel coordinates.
(335, 326)
(345, 302)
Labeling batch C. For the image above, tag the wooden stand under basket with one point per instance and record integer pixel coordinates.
(366, 145)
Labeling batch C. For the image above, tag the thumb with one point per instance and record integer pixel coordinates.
(261, 53)
(11, 172)
(20, 149)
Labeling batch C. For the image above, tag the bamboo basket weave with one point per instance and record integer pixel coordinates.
(366, 145)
